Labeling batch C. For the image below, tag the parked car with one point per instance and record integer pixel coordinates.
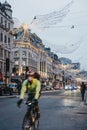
(13, 86)
(68, 87)
(74, 87)
(56, 86)
(18, 81)
(4, 89)
(48, 87)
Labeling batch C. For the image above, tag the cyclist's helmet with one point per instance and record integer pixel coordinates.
(30, 74)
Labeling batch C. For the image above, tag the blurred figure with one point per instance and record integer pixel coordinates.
(86, 96)
(83, 88)
(19, 84)
(1, 76)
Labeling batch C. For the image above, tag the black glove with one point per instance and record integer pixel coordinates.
(19, 102)
(35, 101)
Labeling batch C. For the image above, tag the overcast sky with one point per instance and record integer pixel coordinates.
(67, 38)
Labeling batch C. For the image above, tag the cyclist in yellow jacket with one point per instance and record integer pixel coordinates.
(33, 87)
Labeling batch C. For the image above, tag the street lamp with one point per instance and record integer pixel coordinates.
(7, 70)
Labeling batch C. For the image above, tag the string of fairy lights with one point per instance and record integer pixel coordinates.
(52, 19)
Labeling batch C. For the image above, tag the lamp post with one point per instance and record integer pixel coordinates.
(7, 70)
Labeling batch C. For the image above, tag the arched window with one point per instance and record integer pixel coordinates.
(16, 53)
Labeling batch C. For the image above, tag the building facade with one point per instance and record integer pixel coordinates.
(28, 52)
(6, 38)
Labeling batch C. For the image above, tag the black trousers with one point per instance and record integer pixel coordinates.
(82, 93)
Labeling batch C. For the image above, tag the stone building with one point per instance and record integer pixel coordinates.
(6, 38)
(28, 52)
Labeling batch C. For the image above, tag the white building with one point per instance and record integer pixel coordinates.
(28, 51)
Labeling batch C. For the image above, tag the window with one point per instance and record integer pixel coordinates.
(23, 53)
(8, 54)
(5, 24)
(1, 52)
(23, 62)
(5, 39)
(16, 53)
(9, 25)
(1, 37)
(8, 40)
(5, 53)
(1, 20)
(29, 54)
(16, 62)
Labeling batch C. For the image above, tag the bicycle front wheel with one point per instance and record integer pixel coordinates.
(36, 124)
(27, 123)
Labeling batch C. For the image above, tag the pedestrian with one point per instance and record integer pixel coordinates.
(1, 76)
(86, 97)
(83, 88)
(19, 86)
(33, 87)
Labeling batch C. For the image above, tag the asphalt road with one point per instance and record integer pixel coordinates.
(60, 110)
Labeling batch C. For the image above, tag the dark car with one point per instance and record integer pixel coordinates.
(13, 86)
(4, 89)
(18, 81)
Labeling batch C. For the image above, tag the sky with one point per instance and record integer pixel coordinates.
(66, 37)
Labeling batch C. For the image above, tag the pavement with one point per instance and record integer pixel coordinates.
(16, 95)
(9, 96)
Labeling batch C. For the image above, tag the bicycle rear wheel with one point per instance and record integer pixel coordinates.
(27, 123)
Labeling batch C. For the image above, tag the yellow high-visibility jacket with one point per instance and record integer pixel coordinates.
(33, 88)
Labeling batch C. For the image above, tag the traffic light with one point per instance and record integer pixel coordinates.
(7, 64)
(14, 69)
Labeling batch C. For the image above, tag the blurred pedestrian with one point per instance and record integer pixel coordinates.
(19, 84)
(86, 96)
(83, 88)
(1, 76)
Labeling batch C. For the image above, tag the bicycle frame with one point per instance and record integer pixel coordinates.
(31, 111)
(30, 121)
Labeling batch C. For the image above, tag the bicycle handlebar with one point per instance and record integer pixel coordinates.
(28, 103)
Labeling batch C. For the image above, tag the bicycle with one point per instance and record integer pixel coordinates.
(31, 120)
